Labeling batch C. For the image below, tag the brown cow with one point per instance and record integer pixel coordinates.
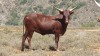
(45, 25)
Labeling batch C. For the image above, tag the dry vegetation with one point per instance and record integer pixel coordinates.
(82, 41)
(75, 42)
(13, 11)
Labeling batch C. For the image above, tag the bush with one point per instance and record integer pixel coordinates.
(38, 8)
(88, 24)
(22, 1)
(80, 4)
(14, 18)
(73, 0)
(52, 1)
(46, 11)
(98, 0)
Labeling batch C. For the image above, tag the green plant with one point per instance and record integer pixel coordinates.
(22, 1)
(30, 1)
(14, 18)
(73, 0)
(53, 11)
(52, 1)
(28, 10)
(45, 11)
(88, 24)
(38, 8)
(80, 4)
(98, 0)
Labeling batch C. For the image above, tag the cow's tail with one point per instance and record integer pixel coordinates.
(23, 27)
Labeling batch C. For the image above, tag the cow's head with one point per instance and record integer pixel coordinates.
(66, 13)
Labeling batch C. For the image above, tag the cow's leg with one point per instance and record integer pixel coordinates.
(29, 39)
(23, 40)
(56, 41)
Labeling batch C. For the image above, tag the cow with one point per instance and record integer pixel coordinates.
(44, 24)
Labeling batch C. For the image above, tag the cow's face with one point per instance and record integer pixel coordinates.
(66, 15)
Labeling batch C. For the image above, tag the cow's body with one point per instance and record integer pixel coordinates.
(45, 25)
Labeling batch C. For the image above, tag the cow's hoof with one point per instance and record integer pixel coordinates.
(22, 49)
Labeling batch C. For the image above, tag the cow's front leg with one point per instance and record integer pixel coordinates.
(56, 41)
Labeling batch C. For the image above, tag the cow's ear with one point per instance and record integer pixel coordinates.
(71, 12)
(61, 12)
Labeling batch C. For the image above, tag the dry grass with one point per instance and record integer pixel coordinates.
(73, 43)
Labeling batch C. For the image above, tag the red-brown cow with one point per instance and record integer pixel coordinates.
(45, 25)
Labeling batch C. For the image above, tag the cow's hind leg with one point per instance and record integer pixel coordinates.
(56, 41)
(29, 37)
(23, 40)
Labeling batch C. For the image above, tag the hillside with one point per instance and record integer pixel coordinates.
(13, 11)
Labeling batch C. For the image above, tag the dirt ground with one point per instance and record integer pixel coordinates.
(75, 42)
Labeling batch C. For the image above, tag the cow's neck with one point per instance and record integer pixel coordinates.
(62, 19)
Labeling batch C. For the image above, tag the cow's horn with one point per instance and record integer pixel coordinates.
(97, 3)
(72, 9)
(58, 9)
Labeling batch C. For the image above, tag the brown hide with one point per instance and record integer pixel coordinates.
(45, 25)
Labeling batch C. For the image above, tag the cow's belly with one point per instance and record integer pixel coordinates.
(44, 32)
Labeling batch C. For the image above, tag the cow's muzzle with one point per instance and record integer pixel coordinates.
(66, 22)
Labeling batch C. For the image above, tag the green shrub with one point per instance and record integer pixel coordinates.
(30, 1)
(38, 8)
(12, 22)
(52, 1)
(88, 24)
(28, 10)
(14, 18)
(53, 11)
(22, 1)
(46, 11)
(98, 0)
(14, 14)
(73, 0)
(80, 4)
